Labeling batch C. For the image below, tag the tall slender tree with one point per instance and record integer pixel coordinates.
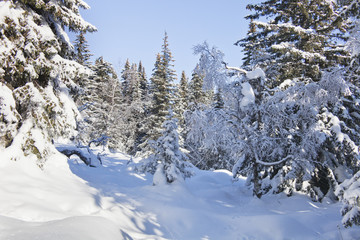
(197, 96)
(82, 52)
(161, 88)
(182, 99)
(103, 97)
(143, 81)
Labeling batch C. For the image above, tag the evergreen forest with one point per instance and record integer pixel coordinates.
(286, 120)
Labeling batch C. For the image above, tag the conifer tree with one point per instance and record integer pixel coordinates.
(135, 81)
(218, 100)
(37, 73)
(161, 88)
(82, 52)
(103, 97)
(125, 79)
(134, 114)
(347, 191)
(299, 40)
(171, 162)
(183, 99)
(196, 94)
(143, 81)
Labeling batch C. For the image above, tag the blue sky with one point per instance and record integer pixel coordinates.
(135, 29)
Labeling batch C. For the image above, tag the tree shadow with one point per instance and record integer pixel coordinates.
(118, 193)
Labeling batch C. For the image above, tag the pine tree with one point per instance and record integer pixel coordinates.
(38, 73)
(299, 40)
(135, 107)
(171, 162)
(196, 94)
(218, 100)
(143, 81)
(183, 99)
(125, 80)
(103, 97)
(82, 52)
(161, 88)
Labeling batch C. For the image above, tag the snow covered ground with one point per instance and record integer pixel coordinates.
(68, 200)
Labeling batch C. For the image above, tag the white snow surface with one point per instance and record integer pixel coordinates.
(68, 200)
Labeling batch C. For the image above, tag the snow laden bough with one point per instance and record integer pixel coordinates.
(36, 77)
(85, 153)
(296, 137)
(349, 193)
(31, 118)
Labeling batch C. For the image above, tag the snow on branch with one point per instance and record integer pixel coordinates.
(256, 73)
(269, 164)
(240, 70)
(83, 152)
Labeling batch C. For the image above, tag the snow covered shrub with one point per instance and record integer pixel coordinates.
(349, 193)
(209, 138)
(299, 138)
(171, 164)
(37, 75)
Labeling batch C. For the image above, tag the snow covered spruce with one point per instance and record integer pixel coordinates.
(168, 163)
(37, 76)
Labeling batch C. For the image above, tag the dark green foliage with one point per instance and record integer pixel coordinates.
(196, 94)
(161, 89)
(103, 99)
(299, 40)
(82, 52)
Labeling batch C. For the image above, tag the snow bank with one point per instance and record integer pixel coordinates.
(89, 228)
(31, 194)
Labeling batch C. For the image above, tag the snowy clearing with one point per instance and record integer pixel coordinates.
(69, 200)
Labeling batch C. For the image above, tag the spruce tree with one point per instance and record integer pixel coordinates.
(347, 191)
(133, 117)
(161, 88)
(299, 39)
(135, 81)
(218, 101)
(183, 99)
(103, 98)
(171, 162)
(125, 80)
(196, 94)
(37, 73)
(143, 81)
(82, 52)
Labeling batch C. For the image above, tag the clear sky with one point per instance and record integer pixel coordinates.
(135, 29)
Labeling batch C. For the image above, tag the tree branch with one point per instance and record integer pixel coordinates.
(240, 70)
